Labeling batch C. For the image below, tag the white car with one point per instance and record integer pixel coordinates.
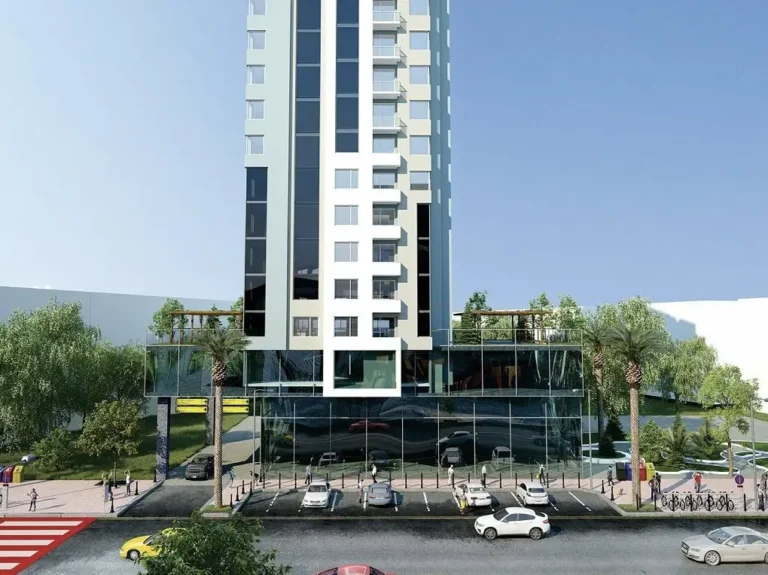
(475, 493)
(513, 521)
(532, 494)
(317, 495)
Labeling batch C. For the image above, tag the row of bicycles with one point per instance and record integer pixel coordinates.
(691, 501)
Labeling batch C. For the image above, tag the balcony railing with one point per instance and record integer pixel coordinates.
(386, 87)
(502, 336)
(393, 52)
(386, 17)
(383, 332)
(389, 122)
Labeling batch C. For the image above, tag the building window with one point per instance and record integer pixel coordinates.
(305, 326)
(346, 179)
(419, 75)
(384, 326)
(345, 289)
(420, 110)
(419, 41)
(345, 215)
(345, 327)
(419, 145)
(384, 252)
(254, 145)
(384, 144)
(256, 220)
(257, 40)
(255, 109)
(419, 180)
(345, 252)
(384, 288)
(384, 216)
(423, 287)
(419, 7)
(384, 180)
(255, 74)
(257, 7)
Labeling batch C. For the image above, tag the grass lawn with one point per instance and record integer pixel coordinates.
(693, 466)
(644, 507)
(187, 437)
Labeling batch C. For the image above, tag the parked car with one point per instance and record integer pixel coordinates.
(354, 570)
(727, 545)
(452, 456)
(501, 456)
(380, 494)
(513, 521)
(532, 494)
(201, 467)
(455, 439)
(144, 546)
(327, 458)
(317, 495)
(369, 425)
(475, 494)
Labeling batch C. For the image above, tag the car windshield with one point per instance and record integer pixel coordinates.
(719, 535)
(317, 489)
(476, 490)
(536, 490)
(499, 515)
(200, 460)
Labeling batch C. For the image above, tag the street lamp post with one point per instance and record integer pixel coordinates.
(754, 459)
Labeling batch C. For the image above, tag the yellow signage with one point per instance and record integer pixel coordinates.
(235, 409)
(190, 401)
(232, 401)
(191, 409)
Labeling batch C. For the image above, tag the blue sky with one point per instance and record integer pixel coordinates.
(601, 149)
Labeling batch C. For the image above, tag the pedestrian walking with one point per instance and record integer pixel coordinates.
(760, 498)
(231, 477)
(652, 485)
(450, 475)
(610, 476)
(32, 500)
(658, 483)
(463, 503)
(541, 473)
(373, 472)
(128, 483)
(359, 490)
(697, 482)
(308, 474)
(484, 472)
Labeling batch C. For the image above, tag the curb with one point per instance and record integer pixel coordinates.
(235, 509)
(139, 498)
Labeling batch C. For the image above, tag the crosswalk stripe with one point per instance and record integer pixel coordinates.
(46, 522)
(32, 532)
(8, 566)
(25, 542)
(17, 553)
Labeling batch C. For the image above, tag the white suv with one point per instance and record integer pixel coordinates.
(532, 494)
(317, 495)
(513, 521)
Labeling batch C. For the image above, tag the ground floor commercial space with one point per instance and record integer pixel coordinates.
(423, 434)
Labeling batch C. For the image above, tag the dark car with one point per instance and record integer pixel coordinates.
(452, 456)
(201, 467)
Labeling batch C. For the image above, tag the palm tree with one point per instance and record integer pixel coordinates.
(636, 346)
(595, 334)
(707, 442)
(221, 346)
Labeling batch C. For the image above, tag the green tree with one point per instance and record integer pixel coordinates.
(166, 325)
(471, 324)
(614, 429)
(56, 450)
(594, 337)
(635, 346)
(45, 356)
(222, 346)
(684, 367)
(605, 446)
(213, 321)
(236, 322)
(707, 442)
(208, 547)
(679, 443)
(113, 427)
(730, 397)
(654, 442)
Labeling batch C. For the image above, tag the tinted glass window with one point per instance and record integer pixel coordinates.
(256, 184)
(308, 82)
(346, 113)
(255, 256)
(422, 219)
(254, 324)
(307, 117)
(308, 14)
(306, 222)
(384, 179)
(305, 257)
(255, 292)
(307, 185)
(256, 220)
(419, 180)
(384, 144)
(419, 74)
(347, 43)
(308, 48)
(347, 77)
(423, 257)
(423, 293)
(347, 142)
(424, 326)
(347, 11)
(308, 151)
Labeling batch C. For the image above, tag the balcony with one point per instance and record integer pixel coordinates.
(387, 55)
(387, 89)
(391, 269)
(387, 124)
(386, 160)
(386, 306)
(386, 233)
(387, 20)
(385, 196)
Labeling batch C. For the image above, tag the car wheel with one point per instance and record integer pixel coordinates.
(134, 555)
(712, 558)
(766, 557)
(490, 534)
(536, 534)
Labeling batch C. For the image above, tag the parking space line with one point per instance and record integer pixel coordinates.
(333, 505)
(552, 503)
(365, 501)
(457, 501)
(516, 499)
(425, 499)
(271, 503)
(580, 501)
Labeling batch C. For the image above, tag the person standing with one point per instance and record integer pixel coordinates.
(658, 483)
(32, 500)
(483, 472)
(652, 485)
(450, 476)
(308, 474)
(127, 483)
(373, 472)
(542, 471)
(697, 482)
(360, 490)
(231, 477)
(610, 476)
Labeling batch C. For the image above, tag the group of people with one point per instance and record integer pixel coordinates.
(655, 484)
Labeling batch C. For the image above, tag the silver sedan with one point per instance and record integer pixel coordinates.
(380, 494)
(727, 545)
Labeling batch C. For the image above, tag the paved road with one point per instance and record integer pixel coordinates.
(437, 547)
(172, 501)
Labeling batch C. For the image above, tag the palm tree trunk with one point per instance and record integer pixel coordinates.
(634, 426)
(730, 457)
(600, 413)
(218, 415)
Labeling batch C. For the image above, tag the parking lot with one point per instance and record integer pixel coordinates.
(172, 501)
(419, 503)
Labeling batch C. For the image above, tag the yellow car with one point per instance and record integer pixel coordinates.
(144, 546)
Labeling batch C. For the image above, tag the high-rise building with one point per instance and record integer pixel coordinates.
(348, 191)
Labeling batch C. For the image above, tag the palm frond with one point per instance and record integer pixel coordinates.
(595, 333)
(635, 344)
(221, 345)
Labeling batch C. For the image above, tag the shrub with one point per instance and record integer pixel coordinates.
(654, 442)
(606, 448)
(56, 450)
(614, 429)
(678, 443)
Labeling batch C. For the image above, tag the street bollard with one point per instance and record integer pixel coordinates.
(342, 481)
(612, 498)
(230, 501)
(390, 478)
(602, 486)
(437, 480)
(654, 502)
(154, 478)
(295, 480)
(563, 479)
(279, 482)
(467, 477)
(406, 480)
(453, 481)
(745, 502)
(111, 504)
(237, 495)
(500, 486)
(547, 479)
(137, 488)
(531, 476)
(515, 479)
(673, 502)
(422, 480)
(326, 478)
(243, 487)
(251, 488)
(578, 480)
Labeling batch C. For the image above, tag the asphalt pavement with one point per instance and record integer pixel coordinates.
(172, 501)
(422, 547)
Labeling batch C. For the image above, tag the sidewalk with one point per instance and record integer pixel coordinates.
(69, 497)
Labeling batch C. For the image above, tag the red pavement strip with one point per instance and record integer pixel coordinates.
(24, 540)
